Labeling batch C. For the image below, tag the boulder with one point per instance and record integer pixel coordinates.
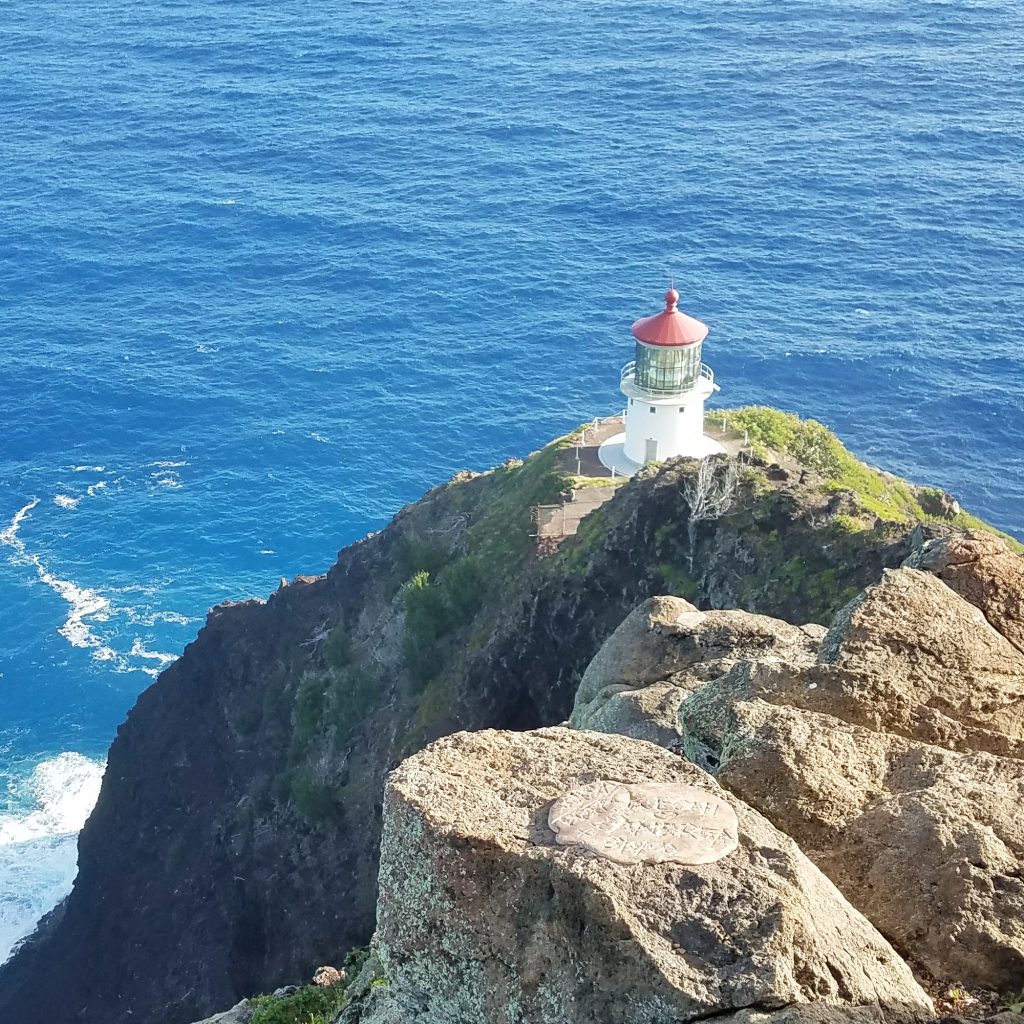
(927, 843)
(981, 569)
(483, 917)
(911, 657)
(664, 650)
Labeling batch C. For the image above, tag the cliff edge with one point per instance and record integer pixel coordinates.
(235, 843)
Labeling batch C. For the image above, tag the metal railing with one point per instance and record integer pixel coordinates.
(629, 373)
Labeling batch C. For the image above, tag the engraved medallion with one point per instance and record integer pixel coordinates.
(651, 823)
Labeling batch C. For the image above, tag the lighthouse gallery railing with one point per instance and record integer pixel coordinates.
(629, 373)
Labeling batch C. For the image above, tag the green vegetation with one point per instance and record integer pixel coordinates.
(501, 535)
(811, 444)
(413, 555)
(427, 619)
(314, 1004)
(445, 594)
(340, 697)
(1014, 1003)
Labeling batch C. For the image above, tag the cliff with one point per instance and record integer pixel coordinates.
(235, 844)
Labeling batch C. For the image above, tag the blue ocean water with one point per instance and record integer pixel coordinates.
(270, 270)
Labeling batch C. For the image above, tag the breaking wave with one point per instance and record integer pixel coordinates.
(38, 840)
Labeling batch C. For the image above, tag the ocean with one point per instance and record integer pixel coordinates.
(270, 270)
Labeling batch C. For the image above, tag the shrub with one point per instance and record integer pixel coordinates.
(413, 555)
(351, 697)
(314, 799)
(338, 648)
(462, 586)
(314, 1004)
(427, 618)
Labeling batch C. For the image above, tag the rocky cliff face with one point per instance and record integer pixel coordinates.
(891, 748)
(235, 843)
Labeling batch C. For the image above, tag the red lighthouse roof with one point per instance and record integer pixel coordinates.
(670, 327)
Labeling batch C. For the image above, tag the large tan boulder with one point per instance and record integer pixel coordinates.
(664, 650)
(875, 753)
(911, 657)
(483, 917)
(927, 843)
(982, 570)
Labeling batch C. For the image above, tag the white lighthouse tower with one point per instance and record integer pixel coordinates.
(666, 386)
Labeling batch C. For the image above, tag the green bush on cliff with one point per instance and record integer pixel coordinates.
(462, 586)
(412, 555)
(314, 1004)
(427, 617)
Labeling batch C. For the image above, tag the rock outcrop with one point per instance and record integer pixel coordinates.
(664, 650)
(484, 919)
(980, 569)
(891, 754)
(234, 845)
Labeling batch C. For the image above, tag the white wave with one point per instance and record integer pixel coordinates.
(176, 618)
(169, 463)
(90, 469)
(38, 841)
(320, 437)
(166, 480)
(93, 489)
(207, 350)
(85, 603)
(66, 501)
(88, 607)
(10, 535)
(139, 650)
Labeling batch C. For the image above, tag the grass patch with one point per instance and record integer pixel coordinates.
(813, 445)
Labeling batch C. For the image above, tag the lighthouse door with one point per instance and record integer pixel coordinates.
(651, 452)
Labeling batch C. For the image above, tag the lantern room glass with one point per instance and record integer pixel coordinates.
(667, 369)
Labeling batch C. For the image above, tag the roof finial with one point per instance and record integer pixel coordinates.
(671, 297)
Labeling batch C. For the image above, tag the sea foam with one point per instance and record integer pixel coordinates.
(38, 840)
(86, 608)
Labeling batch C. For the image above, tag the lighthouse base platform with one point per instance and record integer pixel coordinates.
(613, 456)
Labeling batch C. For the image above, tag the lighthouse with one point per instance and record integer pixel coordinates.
(666, 386)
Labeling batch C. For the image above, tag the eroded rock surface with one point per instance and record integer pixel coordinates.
(484, 918)
(982, 570)
(663, 651)
(928, 843)
(911, 657)
(894, 756)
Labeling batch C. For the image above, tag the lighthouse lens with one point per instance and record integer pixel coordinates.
(665, 370)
